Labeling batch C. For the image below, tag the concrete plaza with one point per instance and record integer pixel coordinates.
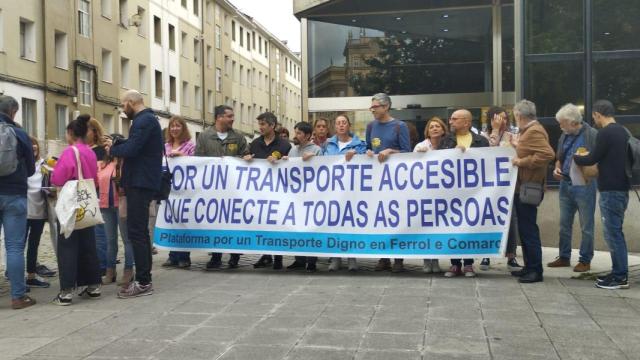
(265, 314)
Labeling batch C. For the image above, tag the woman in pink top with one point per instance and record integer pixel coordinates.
(77, 258)
(178, 144)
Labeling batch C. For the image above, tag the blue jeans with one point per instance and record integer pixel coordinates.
(111, 223)
(128, 248)
(613, 204)
(581, 199)
(529, 235)
(101, 246)
(13, 221)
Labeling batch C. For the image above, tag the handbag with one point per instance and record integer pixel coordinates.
(166, 178)
(77, 206)
(531, 193)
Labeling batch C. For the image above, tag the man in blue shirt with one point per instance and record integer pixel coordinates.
(385, 136)
(13, 198)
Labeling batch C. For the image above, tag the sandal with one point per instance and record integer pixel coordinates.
(23, 302)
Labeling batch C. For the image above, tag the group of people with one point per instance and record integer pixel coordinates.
(127, 176)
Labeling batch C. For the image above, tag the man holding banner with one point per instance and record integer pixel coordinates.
(385, 136)
(462, 137)
(273, 148)
(221, 140)
(305, 149)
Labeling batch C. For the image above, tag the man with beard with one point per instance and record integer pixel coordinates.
(271, 147)
(221, 140)
(305, 149)
(141, 175)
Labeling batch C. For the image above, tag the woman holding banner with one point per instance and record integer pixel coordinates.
(348, 144)
(434, 131)
(178, 143)
(498, 134)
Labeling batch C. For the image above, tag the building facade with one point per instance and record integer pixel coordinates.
(60, 59)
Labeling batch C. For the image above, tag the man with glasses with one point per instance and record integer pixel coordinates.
(462, 137)
(385, 136)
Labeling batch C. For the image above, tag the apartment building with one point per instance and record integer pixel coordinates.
(66, 57)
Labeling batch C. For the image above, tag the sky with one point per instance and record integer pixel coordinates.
(276, 16)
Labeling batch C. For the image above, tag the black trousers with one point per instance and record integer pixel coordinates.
(138, 201)
(34, 233)
(306, 259)
(78, 263)
(217, 257)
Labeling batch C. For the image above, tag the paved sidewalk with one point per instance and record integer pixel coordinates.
(262, 314)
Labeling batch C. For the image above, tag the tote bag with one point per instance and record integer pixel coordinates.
(77, 206)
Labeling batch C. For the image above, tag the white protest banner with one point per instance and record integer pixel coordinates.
(439, 204)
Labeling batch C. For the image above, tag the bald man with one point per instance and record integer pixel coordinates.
(141, 174)
(461, 137)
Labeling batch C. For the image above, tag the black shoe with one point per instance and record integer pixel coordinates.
(519, 273)
(169, 263)
(603, 278)
(296, 265)
(37, 283)
(213, 265)
(277, 264)
(232, 264)
(530, 277)
(184, 264)
(311, 268)
(44, 271)
(265, 260)
(484, 264)
(613, 284)
(512, 265)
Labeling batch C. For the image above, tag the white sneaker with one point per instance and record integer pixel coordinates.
(427, 268)
(435, 266)
(353, 265)
(335, 264)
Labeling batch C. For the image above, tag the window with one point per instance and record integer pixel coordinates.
(196, 9)
(234, 75)
(124, 73)
(124, 13)
(248, 41)
(85, 86)
(107, 122)
(241, 36)
(107, 66)
(196, 51)
(172, 89)
(125, 124)
(157, 30)
(253, 42)
(209, 9)
(142, 78)
(266, 49)
(84, 18)
(183, 45)
(248, 78)
(218, 80)
(29, 117)
(185, 93)
(27, 39)
(158, 82)
(105, 8)
(142, 29)
(61, 121)
(210, 102)
(218, 37)
(242, 114)
(172, 37)
(226, 66)
(61, 50)
(198, 95)
(1, 31)
(242, 75)
(259, 81)
(184, 3)
(209, 57)
(233, 30)
(260, 44)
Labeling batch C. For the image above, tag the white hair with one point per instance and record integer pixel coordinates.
(570, 113)
(526, 109)
(382, 98)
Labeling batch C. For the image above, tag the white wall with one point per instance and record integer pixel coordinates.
(18, 92)
(161, 58)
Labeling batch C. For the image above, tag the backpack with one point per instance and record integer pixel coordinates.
(8, 149)
(632, 167)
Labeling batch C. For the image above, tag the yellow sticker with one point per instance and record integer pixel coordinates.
(375, 142)
(276, 154)
(233, 148)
